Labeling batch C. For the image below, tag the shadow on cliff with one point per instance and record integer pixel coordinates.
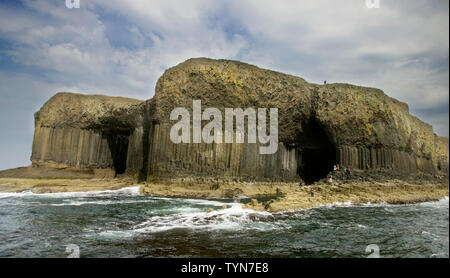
(118, 145)
(316, 152)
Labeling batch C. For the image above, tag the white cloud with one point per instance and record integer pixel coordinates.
(401, 48)
(73, 43)
(343, 41)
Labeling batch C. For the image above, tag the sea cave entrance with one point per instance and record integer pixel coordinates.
(118, 145)
(316, 152)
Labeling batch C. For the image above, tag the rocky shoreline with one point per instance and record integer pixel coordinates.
(282, 196)
(58, 185)
(290, 196)
(392, 192)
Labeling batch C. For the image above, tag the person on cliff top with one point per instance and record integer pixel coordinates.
(312, 192)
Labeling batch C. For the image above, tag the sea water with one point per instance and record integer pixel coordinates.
(124, 223)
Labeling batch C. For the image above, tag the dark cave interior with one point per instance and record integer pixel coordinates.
(316, 152)
(118, 145)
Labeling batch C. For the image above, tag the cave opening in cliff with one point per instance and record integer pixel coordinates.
(118, 145)
(317, 153)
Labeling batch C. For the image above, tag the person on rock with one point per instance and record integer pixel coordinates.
(348, 171)
(330, 178)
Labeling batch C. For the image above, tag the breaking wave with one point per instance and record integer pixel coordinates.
(132, 190)
(229, 219)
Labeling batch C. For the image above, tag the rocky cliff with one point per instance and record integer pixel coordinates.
(86, 131)
(319, 126)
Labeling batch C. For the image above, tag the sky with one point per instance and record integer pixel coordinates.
(121, 47)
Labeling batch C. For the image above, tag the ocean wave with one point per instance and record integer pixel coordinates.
(230, 219)
(443, 201)
(100, 202)
(440, 203)
(337, 204)
(201, 202)
(179, 210)
(132, 190)
(16, 194)
(350, 204)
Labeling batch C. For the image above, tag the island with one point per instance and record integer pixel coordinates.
(92, 142)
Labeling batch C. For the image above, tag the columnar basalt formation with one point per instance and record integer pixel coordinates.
(74, 130)
(319, 125)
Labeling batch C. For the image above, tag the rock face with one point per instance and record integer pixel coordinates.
(85, 131)
(319, 126)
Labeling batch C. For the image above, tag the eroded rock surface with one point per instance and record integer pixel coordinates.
(319, 126)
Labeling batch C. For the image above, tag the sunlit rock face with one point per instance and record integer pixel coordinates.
(318, 126)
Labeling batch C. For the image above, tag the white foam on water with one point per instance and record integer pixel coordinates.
(431, 235)
(132, 190)
(388, 209)
(437, 204)
(203, 202)
(233, 218)
(337, 204)
(16, 194)
(100, 202)
(376, 205)
(444, 201)
(115, 234)
(180, 210)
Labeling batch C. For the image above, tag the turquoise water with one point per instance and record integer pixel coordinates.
(124, 223)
